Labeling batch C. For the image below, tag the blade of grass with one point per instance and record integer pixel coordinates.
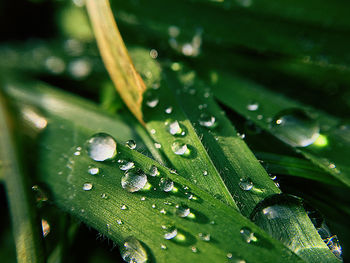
(66, 173)
(331, 148)
(26, 230)
(111, 45)
(286, 165)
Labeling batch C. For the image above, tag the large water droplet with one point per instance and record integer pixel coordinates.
(133, 251)
(133, 181)
(206, 120)
(131, 144)
(296, 128)
(166, 185)
(245, 184)
(101, 147)
(180, 148)
(248, 235)
(87, 186)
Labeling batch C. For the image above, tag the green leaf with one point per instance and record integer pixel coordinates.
(322, 138)
(118, 213)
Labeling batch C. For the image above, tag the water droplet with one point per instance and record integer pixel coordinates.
(157, 145)
(169, 110)
(55, 64)
(104, 196)
(202, 106)
(182, 211)
(93, 171)
(173, 127)
(77, 153)
(153, 53)
(206, 120)
(87, 186)
(253, 106)
(45, 227)
(143, 198)
(131, 144)
(119, 222)
(248, 235)
(152, 102)
(153, 131)
(127, 166)
(205, 173)
(334, 245)
(245, 184)
(180, 148)
(133, 181)
(154, 206)
(153, 171)
(296, 128)
(194, 249)
(171, 233)
(80, 68)
(101, 147)
(162, 211)
(204, 237)
(133, 251)
(40, 195)
(166, 185)
(123, 207)
(331, 166)
(162, 246)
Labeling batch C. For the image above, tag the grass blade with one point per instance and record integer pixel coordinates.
(26, 230)
(329, 150)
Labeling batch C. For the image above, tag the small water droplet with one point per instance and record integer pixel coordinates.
(169, 110)
(133, 181)
(296, 128)
(180, 148)
(202, 106)
(77, 153)
(171, 233)
(157, 145)
(154, 206)
(206, 120)
(162, 246)
(80, 68)
(119, 222)
(253, 106)
(153, 53)
(55, 64)
(173, 127)
(182, 211)
(153, 131)
(127, 166)
(205, 173)
(162, 211)
(248, 235)
(331, 166)
(40, 195)
(245, 184)
(93, 171)
(143, 198)
(152, 102)
(133, 251)
(104, 196)
(87, 186)
(194, 249)
(166, 185)
(153, 171)
(123, 207)
(131, 144)
(45, 227)
(204, 237)
(101, 147)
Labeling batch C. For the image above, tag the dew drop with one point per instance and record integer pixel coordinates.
(77, 153)
(162, 211)
(162, 246)
(153, 171)
(123, 207)
(143, 198)
(296, 128)
(204, 237)
(133, 181)
(182, 211)
(152, 102)
(194, 249)
(104, 196)
(154, 206)
(131, 144)
(206, 120)
(253, 106)
(334, 245)
(205, 173)
(153, 131)
(245, 184)
(45, 227)
(166, 185)
(119, 222)
(101, 147)
(171, 233)
(87, 186)
(180, 148)
(93, 171)
(127, 166)
(157, 145)
(169, 110)
(40, 195)
(133, 252)
(173, 127)
(248, 235)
